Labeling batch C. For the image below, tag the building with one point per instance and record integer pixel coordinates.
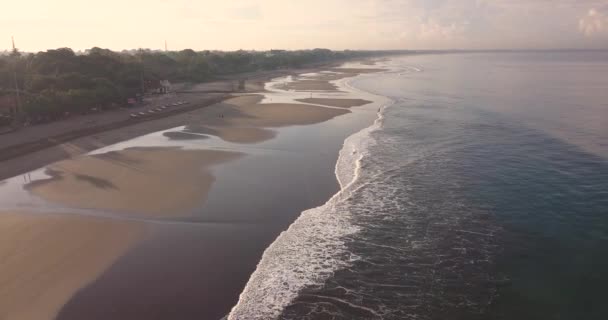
(165, 86)
(8, 110)
(8, 105)
(158, 86)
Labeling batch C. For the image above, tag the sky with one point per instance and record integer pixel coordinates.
(298, 24)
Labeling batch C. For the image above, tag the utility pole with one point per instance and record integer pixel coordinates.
(143, 84)
(17, 95)
(141, 75)
(166, 46)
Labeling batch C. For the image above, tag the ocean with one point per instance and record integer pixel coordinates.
(480, 192)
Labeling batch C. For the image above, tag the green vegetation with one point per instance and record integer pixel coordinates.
(58, 82)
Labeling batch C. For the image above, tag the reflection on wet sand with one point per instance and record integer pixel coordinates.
(339, 103)
(180, 135)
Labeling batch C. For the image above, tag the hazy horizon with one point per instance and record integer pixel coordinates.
(335, 24)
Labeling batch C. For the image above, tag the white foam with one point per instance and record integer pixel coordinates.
(312, 248)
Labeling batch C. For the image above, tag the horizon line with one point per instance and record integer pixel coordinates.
(334, 50)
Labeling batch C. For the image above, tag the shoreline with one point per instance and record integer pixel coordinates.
(279, 264)
(244, 220)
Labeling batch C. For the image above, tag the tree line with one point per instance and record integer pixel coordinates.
(57, 82)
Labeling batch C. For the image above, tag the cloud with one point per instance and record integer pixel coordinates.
(435, 30)
(496, 23)
(250, 12)
(336, 24)
(594, 23)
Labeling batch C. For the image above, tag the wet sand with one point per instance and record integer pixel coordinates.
(180, 135)
(46, 258)
(244, 135)
(153, 182)
(168, 182)
(357, 71)
(245, 119)
(322, 81)
(339, 103)
(311, 85)
(249, 112)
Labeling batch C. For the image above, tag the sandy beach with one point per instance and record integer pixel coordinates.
(244, 119)
(153, 182)
(158, 182)
(212, 237)
(248, 111)
(46, 258)
(40, 147)
(323, 81)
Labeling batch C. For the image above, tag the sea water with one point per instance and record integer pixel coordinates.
(481, 192)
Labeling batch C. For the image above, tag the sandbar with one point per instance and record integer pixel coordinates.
(244, 119)
(152, 182)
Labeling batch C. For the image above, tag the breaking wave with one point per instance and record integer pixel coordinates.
(312, 249)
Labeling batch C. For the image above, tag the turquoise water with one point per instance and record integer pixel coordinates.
(484, 194)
